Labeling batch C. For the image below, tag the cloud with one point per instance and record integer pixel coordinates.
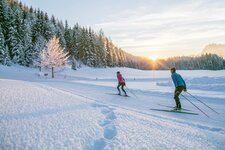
(168, 27)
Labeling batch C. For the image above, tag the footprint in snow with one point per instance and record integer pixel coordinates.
(99, 144)
(104, 122)
(110, 132)
(108, 125)
(111, 116)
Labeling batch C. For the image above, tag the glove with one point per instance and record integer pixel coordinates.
(185, 90)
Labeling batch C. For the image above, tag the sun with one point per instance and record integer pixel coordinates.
(153, 57)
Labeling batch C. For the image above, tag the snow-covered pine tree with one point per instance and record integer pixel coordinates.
(36, 29)
(2, 5)
(68, 38)
(53, 55)
(18, 50)
(27, 42)
(48, 31)
(109, 60)
(60, 33)
(8, 29)
(91, 49)
(75, 46)
(53, 20)
(82, 47)
(115, 56)
(4, 54)
(120, 59)
(101, 50)
(75, 43)
(37, 47)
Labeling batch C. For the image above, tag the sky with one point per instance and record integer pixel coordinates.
(149, 28)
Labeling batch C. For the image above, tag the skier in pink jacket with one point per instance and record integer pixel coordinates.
(121, 82)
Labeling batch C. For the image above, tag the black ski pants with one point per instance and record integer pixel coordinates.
(177, 93)
(122, 87)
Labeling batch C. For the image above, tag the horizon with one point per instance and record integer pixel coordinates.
(152, 29)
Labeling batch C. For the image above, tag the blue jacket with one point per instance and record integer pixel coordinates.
(178, 80)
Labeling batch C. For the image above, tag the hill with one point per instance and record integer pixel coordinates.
(218, 49)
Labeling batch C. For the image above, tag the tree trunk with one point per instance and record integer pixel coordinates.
(52, 72)
(74, 63)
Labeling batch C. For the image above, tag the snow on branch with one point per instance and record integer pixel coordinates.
(53, 55)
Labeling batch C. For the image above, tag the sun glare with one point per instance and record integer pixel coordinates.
(153, 57)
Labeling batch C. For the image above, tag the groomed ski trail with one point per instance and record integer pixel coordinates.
(88, 123)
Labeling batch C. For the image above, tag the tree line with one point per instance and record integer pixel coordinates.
(24, 32)
(203, 62)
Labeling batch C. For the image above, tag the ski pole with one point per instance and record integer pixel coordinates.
(203, 103)
(131, 92)
(194, 105)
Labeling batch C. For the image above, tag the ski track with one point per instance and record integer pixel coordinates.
(166, 127)
(134, 129)
(212, 129)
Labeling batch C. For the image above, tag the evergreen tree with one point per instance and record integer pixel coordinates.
(2, 5)
(4, 54)
(101, 50)
(75, 43)
(24, 32)
(109, 60)
(37, 47)
(27, 44)
(18, 49)
(60, 33)
(68, 38)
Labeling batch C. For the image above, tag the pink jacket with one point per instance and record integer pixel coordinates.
(120, 78)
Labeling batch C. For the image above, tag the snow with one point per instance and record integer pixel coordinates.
(75, 110)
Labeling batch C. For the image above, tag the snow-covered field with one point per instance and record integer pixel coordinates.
(76, 111)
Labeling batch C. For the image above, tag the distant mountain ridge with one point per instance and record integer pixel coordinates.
(218, 49)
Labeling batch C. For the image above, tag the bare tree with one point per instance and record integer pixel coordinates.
(53, 55)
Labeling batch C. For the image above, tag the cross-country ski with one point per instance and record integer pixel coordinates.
(118, 94)
(175, 111)
(173, 107)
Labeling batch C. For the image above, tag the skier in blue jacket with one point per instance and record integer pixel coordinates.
(179, 84)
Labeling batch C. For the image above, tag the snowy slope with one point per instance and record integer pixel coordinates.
(76, 111)
(39, 117)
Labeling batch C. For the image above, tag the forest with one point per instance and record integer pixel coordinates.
(24, 32)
